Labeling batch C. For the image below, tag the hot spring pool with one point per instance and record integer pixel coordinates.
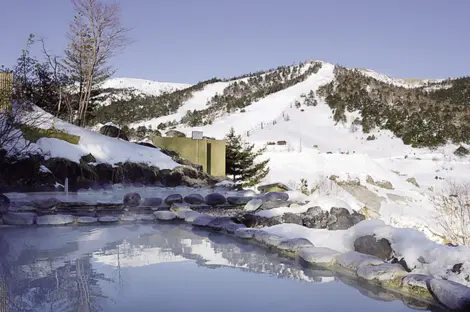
(161, 267)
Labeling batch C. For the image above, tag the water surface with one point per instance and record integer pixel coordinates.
(161, 267)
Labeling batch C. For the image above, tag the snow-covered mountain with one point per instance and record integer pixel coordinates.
(146, 87)
(326, 142)
(126, 88)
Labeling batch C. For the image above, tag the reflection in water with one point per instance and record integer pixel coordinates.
(70, 269)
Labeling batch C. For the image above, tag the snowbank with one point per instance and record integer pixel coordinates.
(105, 149)
(420, 253)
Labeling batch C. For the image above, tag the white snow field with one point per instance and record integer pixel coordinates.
(318, 148)
(104, 148)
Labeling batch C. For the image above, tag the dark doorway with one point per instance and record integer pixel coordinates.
(209, 158)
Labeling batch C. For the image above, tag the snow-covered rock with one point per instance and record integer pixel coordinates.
(381, 272)
(19, 218)
(253, 204)
(203, 220)
(352, 260)
(164, 215)
(268, 238)
(381, 248)
(319, 255)
(191, 216)
(55, 220)
(294, 244)
(452, 295)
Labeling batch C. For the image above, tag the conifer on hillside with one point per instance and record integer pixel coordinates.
(240, 161)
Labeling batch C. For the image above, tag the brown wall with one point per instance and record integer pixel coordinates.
(196, 152)
(6, 80)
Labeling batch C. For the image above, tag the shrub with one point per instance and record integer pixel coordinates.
(33, 134)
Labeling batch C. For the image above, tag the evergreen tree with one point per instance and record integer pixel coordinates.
(240, 161)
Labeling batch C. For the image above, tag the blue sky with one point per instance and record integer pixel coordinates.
(193, 40)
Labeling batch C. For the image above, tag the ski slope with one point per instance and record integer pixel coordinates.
(318, 148)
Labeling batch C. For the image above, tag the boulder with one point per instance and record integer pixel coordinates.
(173, 198)
(203, 220)
(352, 260)
(4, 204)
(342, 223)
(55, 220)
(19, 218)
(46, 204)
(357, 217)
(215, 199)
(319, 255)
(253, 204)
(453, 296)
(152, 201)
(86, 220)
(274, 204)
(218, 222)
(416, 283)
(194, 199)
(294, 244)
(108, 219)
(245, 232)
(369, 245)
(113, 132)
(252, 220)
(273, 187)
(164, 215)
(191, 216)
(131, 200)
(292, 218)
(315, 218)
(275, 197)
(339, 211)
(89, 158)
(268, 238)
(238, 200)
(381, 272)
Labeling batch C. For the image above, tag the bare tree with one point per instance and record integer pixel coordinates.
(57, 72)
(453, 208)
(96, 35)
